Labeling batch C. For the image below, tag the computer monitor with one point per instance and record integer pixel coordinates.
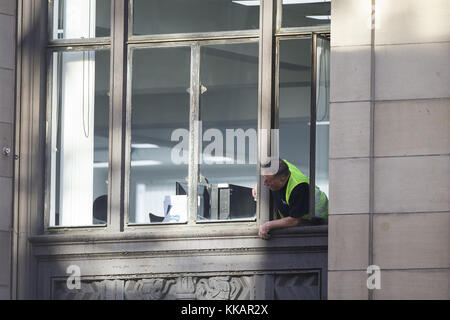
(154, 218)
(180, 188)
(222, 201)
(204, 212)
(229, 201)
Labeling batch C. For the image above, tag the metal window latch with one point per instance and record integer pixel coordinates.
(203, 89)
(6, 151)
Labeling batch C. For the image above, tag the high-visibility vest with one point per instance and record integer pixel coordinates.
(295, 179)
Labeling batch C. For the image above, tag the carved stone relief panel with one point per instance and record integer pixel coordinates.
(191, 288)
(176, 288)
(302, 286)
(294, 286)
(89, 290)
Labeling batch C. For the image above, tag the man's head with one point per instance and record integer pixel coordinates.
(278, 180)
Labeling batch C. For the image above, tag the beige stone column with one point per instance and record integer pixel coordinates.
(348, 255)
(411, 226)
(390, 149)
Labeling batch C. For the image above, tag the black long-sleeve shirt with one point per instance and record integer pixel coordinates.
(298, 201)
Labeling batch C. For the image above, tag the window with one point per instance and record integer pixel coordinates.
(80, 19)
(154, 17)
(78, 115)
(79, 137)
(229, 118)
(171, 136)
(294, 102)
(227, 109)
(295, 115)
(160, 103)
(322, 113)
(306, 13)
(303, 89)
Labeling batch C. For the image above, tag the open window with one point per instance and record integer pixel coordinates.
(182, 144)
(303, 109)
(78, 114)
(79, 126)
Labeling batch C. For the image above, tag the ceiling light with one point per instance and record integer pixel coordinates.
(320, 123)
(144, 163)
(256, 3)
(303, 1)
(100, 164)
(135, 163)
(247, 3)
(320, 17)
(217, 159)
(144, 146)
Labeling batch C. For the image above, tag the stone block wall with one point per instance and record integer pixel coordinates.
(7, 98)
(390, 149)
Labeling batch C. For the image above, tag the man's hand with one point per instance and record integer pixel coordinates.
(255, 192)
(286, 222)
(264, 231)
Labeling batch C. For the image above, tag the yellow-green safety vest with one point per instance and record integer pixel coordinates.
(295, 179)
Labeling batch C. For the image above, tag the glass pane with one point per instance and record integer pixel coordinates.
(79, 138)
(323, 115)
(80, 19)
(294, 102)
(229, 118)
(306, 13)
(152, 17)
(160, 114)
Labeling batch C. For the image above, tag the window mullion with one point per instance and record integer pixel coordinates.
(119, 13)
(266, 97)
(312, 152)
(194, 134)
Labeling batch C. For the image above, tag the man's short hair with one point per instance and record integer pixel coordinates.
(283, 169)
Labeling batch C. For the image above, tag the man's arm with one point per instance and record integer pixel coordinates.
(277, 224)
(299, 206)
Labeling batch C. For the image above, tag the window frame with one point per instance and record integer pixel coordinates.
(49, 127)
(185, 36)
(280, 30)
(313, 102)
(120, 44)
(68, 45)
(194, 140)
(127, 159)
(70, 42)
